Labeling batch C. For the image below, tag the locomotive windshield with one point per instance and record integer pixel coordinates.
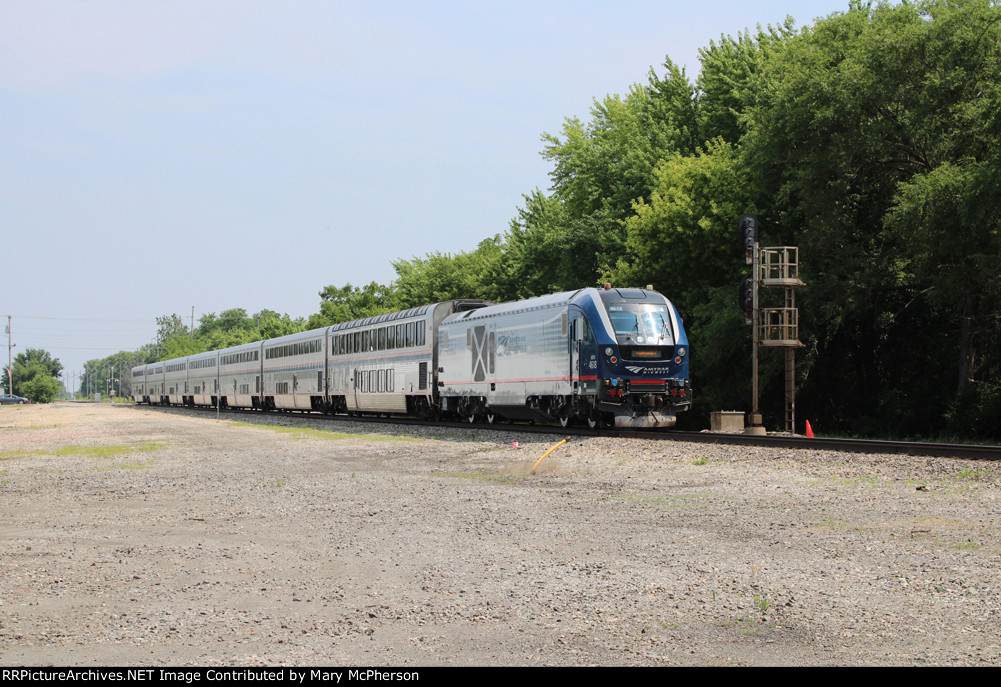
(641, 323)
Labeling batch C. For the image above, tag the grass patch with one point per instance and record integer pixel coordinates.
(322, 434)
(30, 427)
(701, 461)
(88, 451)
(276, 483)
(106, 451)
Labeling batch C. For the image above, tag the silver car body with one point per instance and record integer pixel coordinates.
(292, 371)
(202, 386)
(240, 375)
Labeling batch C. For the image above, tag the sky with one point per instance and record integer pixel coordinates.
(175, 156)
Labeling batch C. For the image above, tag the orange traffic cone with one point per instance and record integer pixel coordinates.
(809, 429)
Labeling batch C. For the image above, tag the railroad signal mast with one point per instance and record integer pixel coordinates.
(771, 327)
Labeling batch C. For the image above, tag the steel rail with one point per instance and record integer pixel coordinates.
(914, 448)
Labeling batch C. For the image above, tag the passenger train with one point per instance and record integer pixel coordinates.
(603, 357)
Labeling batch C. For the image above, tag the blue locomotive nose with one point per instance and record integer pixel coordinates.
(643, 374)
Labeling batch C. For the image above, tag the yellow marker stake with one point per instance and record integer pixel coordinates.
(565, 440)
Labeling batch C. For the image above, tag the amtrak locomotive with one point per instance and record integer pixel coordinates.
(602, 357)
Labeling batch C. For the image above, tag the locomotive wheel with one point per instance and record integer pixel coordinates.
(599, 420)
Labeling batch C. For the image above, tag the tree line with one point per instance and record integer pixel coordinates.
(174, 340)
(871, 139)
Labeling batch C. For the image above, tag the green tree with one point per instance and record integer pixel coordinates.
(32, 371)
(726, 87)
(442, 276)
(174, 339)
(114, 373)
(346, 303)
(541, 234)
(682, 241)
(273, 325)
(874, 144)
(40, 388)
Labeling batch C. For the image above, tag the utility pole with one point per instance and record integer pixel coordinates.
(10, 364)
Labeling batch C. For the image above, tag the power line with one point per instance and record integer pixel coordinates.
(82, 319)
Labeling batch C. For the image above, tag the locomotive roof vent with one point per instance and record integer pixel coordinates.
(471, 305)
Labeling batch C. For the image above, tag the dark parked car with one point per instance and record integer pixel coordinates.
(8, 398)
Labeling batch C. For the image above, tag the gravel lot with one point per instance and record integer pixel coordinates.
(150, 537)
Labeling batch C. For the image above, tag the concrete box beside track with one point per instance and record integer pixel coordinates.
(727, 421)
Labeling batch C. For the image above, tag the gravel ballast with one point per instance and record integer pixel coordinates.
(133, 536)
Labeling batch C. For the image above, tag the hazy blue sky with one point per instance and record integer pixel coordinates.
(159, 156)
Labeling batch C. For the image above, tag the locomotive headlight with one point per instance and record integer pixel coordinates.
(608, 350)
(681, 351)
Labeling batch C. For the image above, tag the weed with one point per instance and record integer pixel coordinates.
(137, 466)
(971, 473)
(275, 483)
(700, 461)
(828, 524)
(966, 545)
(669, 501)
(122, 466)
(496, 476)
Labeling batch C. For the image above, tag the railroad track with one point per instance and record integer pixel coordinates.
(913, 448)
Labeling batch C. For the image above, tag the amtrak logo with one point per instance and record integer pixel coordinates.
(646, 370)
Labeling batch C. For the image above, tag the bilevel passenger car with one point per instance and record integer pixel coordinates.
(601, 356)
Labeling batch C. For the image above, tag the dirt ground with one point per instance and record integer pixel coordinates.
(134, 536)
